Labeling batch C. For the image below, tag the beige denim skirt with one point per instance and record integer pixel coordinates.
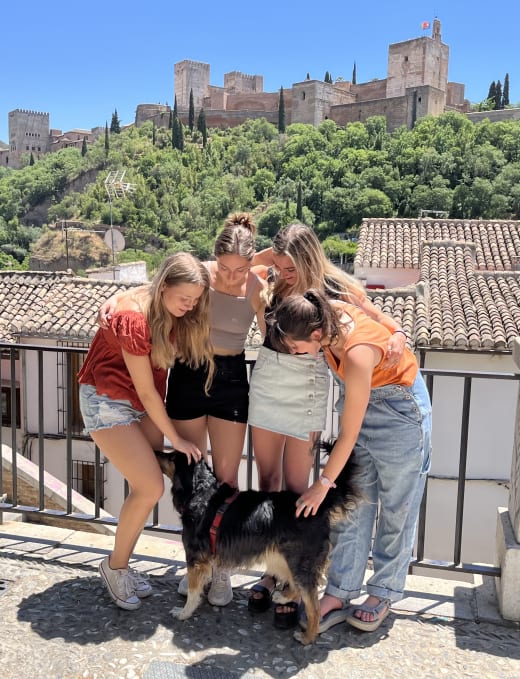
(288, 394)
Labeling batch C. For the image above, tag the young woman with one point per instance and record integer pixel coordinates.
(288, 393)
(235, 300)
(220, 412)
(386, 426)
(122, 389)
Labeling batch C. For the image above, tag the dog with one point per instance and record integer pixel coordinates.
(233, 529)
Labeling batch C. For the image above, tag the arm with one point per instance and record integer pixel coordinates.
(140, 370)
(258, 303)
(397, 342)
(359, 365)
(110, 305)
(263, 258)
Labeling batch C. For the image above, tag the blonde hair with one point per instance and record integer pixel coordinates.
(191, 331)
(237, 237)
(314, 270)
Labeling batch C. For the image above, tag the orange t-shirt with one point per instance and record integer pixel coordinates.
(105, 367)
(368, 331)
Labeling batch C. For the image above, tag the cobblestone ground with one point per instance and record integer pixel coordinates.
(58, 623)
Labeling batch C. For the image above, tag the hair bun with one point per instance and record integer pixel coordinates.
(241, 219)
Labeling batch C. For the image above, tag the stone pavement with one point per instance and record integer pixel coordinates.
(58, 623)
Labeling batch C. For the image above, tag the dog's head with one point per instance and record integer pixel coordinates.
(176, 467)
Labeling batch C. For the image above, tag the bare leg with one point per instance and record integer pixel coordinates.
(297, 462)
(194, 430)
(129, 450)
(268, 447)
(227, 442)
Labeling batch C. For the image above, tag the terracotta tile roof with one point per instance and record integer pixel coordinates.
(396, 243)
(51, 305)
(470, 298)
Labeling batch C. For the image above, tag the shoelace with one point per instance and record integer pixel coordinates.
(137, 578)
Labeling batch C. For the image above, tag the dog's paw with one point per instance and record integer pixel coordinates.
(301, 636)
(179, 613)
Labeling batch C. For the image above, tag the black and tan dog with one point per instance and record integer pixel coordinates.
(232, 530)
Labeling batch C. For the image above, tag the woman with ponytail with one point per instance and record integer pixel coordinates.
(386, 426)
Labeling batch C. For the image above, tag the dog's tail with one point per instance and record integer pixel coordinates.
(345, 497)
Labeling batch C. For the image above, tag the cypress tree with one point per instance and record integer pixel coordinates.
(492, 93)
(84, 147)
(281, 112)
(191, 112)
(327, 76)
(153, 132)
(115, 125)
(201, 127)
(498, 96)
(505, 92)
(175, 109)
(170, 122)
(31, 159)
(354, 75)
(308, 77)
(299, 203)
(107, 139)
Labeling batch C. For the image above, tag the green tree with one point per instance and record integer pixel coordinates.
(299, 203)
(84, 147)
(498, 95)
(354, 76)
(281, 112)
(492, 93)
(175, 108)
(191, 112)
(115, 125)
(308, 76)
(177, 134)
(505, 92)
(31, 159)
(107, 139)
(201, 127)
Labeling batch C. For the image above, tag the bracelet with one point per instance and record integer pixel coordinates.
(402, 331)
(326, 482)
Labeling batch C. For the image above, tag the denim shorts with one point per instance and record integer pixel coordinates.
(288, 394)
(228, 395)
(101, 412)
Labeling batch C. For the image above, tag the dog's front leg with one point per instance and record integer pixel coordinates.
(197, 578)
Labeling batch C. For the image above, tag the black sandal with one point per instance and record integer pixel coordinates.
(261, 603)
(287, 619)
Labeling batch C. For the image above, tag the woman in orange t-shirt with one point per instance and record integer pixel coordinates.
(122, 390)
(386, 426)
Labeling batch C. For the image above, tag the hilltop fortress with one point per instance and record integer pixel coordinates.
(416, 85)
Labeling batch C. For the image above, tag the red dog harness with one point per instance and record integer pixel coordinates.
(218, 520)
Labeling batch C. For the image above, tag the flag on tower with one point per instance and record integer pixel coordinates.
(425, 25)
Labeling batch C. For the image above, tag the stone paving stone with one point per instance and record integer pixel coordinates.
(59, 623)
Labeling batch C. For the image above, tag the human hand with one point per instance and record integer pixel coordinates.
(105, 312)
(188, 448)
(309, 502)
(396, 347)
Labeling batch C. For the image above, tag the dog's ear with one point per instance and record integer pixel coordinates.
(166, 462)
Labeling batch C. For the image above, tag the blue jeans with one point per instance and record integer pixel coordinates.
(393, 455)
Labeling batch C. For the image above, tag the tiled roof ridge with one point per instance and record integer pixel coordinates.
(66, 276)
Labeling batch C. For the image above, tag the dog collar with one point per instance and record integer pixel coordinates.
(217, 521)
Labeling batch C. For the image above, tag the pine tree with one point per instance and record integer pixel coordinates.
(354, 75)
(115, 125)
(505, 92)
(498, 96)
(191, 112)
(107, 139)
(299, 203)
(201, 127)
(281, 112)
(84, 147)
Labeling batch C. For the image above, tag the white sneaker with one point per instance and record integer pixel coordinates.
(120, 584)
(141, 583)
(182, 587)
(220, 592)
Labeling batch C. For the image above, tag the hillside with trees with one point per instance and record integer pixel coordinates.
(328, 176)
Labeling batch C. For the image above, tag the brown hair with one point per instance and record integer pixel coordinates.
(237, 237)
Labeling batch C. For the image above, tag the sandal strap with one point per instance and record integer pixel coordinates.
(375, 610)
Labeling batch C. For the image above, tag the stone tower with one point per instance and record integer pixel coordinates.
(418, 62)
(191, 75)
(29, 132)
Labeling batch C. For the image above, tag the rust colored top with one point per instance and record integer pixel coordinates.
(105, 367)
(368, 331)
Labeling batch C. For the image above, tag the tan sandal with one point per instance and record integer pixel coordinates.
(380, 612)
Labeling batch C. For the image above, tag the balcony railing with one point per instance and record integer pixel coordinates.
(29, 371)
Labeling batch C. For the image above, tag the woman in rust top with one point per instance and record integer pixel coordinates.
(122, 390)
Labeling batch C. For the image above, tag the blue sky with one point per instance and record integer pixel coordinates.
(79, 61)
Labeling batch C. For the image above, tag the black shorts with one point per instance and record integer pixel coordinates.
(228, 397)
